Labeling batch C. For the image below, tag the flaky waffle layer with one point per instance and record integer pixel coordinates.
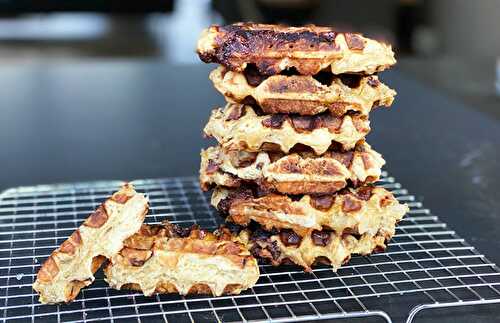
(239, 127)
(367, 209)
(308, 49)
(72, 266)
(296, 173)
(304, 94)
(170, 259)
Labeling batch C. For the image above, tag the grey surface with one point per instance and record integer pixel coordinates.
(126, 120)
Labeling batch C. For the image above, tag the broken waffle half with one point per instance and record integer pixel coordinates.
(309, 49)
(302, 94)
(240, 127)
(367, 209)
(72, 266)
(170, 259)
(300, 172)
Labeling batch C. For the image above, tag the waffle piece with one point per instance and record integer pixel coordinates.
(170, 259)
(368, 209)
(304, 94)
(239, 127)
(308, 49)
(296, 173)
(72, 266)
(314, 246)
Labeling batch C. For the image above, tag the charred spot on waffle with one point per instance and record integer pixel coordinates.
(238, 39)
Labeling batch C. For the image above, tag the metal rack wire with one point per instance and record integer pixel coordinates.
(426, 265)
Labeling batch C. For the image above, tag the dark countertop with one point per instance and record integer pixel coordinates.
(126, 120)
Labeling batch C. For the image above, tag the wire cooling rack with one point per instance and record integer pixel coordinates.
(425, 266)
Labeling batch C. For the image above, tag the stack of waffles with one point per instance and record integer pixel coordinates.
(292, 172)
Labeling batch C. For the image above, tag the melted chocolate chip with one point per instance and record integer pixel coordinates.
(304, 123)
(242, 158)
(329, 121)
(275, 251)
(289, 238)
(350, 204)
(364, 193)
(275, 121)
(373, 82)
(238, 194)
(267, 250)
(181, 231)
(354, 41)
(322, 202)
(290, 167)
(320, 238)
(260, 235)
(345, 158)
(212, 167)
(270, 146)
(237, 111)
(254, 78)
(351, 80)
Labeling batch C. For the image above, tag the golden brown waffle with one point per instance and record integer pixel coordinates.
(239, 127)
(368, 209)
(170, 259)
(308, 49)
(72, 266)
(304, 94)
(296, 173)
(325, 246)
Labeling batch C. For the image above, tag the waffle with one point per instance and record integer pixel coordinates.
(308, 49)
(296, 173)
(304, 94)
(325, 246)
(170, 259)
(368, 209)
(72, 266)
(239, 127)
